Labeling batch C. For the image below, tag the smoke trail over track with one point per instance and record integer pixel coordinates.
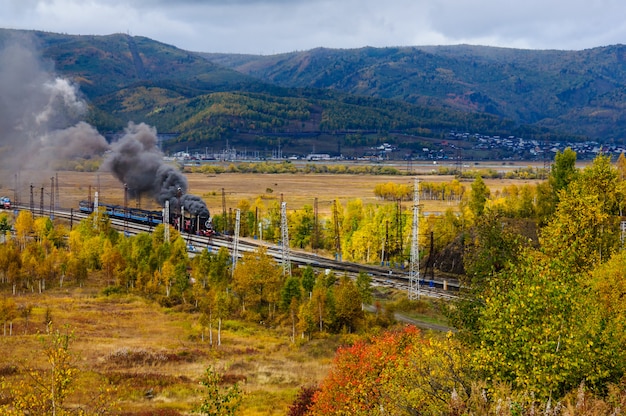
(138, 163)
(41, 123)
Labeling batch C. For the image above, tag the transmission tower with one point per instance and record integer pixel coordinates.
(15, 190)
(56, 199)
(52, 198)
(224, 218)
(166, 222)
(315, 236)
(284, 230)
(96, 212)
(414, 271)
(236, 238)
(32, 200)
(41, 202)
(337, 230)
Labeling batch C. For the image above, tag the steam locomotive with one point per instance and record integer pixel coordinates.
(198, 225)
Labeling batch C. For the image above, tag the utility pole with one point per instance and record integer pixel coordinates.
(284, 231)
(236, 239)
(414, 271)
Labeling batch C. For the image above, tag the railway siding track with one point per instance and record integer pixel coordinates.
(381, 276)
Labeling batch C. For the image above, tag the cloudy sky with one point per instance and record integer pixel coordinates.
(275, 26)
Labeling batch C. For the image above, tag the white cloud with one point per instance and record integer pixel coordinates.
(273, 26)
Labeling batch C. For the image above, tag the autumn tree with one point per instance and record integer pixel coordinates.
(478, 196)
(23, 227)
(48, 391)
(316, 314)
(541, 330)
(584, 230)
(112, 262)
(206, 304)
(303, 226)
(257, 281)
(353, 385)
(4, 223)
(432, 378)
(348, 311)
(607, 287)
(308, 279)
(620, 165)
(303, 401)
(489, 248)
(8, 312)
(218, 400)
(563, 169)
(364, 286)
(396, 373)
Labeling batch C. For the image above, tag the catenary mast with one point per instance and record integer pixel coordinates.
(414, 271)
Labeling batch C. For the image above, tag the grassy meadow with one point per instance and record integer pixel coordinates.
(297, 189)
(152, 358)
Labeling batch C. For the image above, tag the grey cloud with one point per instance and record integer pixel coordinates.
(275, 26)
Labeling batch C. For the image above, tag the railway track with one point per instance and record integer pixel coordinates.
(381, 276)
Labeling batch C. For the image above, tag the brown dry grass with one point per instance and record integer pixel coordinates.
(296, 190)
(139, 347)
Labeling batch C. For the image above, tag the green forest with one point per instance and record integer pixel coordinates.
(539, 323)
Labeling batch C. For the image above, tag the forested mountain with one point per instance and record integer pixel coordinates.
(338, 101)
(581, 92)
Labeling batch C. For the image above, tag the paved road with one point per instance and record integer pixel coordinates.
(418, 323)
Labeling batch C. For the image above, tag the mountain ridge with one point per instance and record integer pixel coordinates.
(334, 100)
(548, 88)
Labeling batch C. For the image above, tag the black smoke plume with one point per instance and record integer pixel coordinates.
(40, 123)
(137, 162)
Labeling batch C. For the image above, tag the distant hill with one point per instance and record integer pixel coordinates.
(581, 92)
(339, 101)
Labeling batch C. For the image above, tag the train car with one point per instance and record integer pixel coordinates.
(199, 225)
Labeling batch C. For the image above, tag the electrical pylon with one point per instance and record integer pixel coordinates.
(414, 271)
(284, 231)
(96, 211)
(166, 222)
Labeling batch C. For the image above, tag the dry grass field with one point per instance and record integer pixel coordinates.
(153, 357)
(296, 190)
